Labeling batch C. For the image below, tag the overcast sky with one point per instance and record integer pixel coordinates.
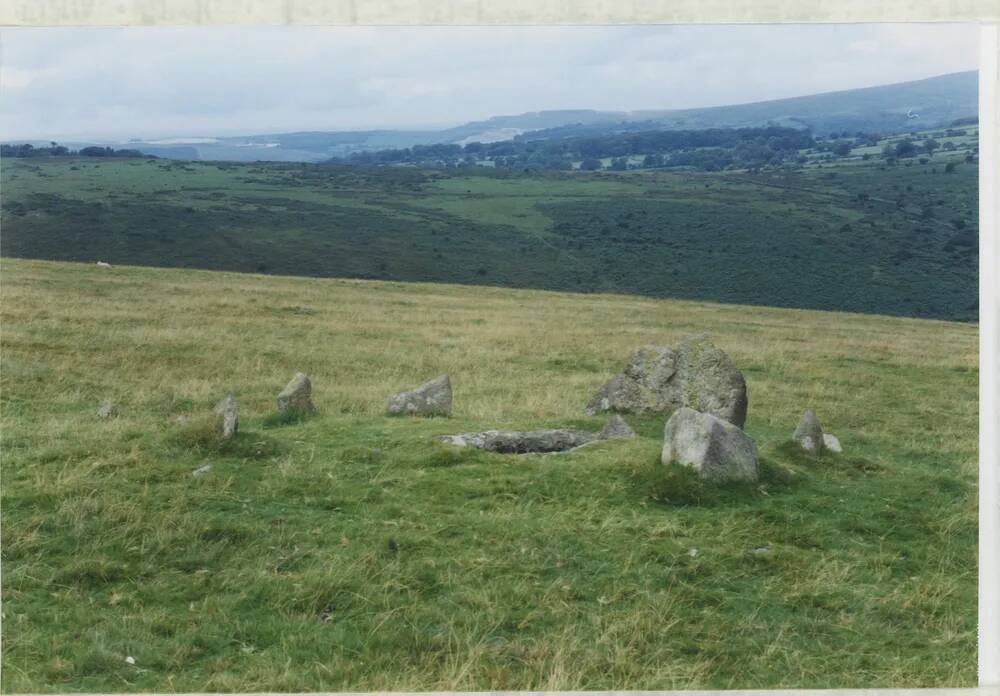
(120, 83)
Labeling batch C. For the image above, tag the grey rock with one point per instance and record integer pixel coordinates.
(103, 264)
(228, 417)
(832, 443)
(106, 410)
(297, 395)
(202, 470)
(715, 448)
(549, 441)
(616, 429)
(662, 379)
(430, 399)
(516, 442)
(809, 433)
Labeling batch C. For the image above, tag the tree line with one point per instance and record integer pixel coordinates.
(26, 150)
(709, 149)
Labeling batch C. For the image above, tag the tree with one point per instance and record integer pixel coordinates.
(590, 164)
(930, 145)
(905, 148)
(842, 148)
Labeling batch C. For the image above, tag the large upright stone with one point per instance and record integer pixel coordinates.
(716, 449)
(228, 417)
(296, 396)
(662, 379)
(430, 399)
(809, 433)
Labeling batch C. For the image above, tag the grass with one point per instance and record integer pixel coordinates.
(351, 551)
(855, 236)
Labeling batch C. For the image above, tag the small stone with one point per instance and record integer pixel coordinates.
(202, 470)
(297, 395)
(809, 434)
(764, 552)
(692, 553)
(430, 399)
(106, 410)
(103, 264)
(228, 413)
(715, 448)
(616, 429)
(832, 443)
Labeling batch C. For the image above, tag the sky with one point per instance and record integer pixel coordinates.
(141, 82)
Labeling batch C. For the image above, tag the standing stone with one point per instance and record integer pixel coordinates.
(662, 379)
(616, 429)
(809, 434)
(296, 396)
(715, 448)
(430, 399)
(228, 413)
(105, 410)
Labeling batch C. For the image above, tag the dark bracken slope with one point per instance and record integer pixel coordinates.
(861, 235)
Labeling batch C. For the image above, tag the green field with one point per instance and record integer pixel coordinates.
(353, 552)
(851, 235)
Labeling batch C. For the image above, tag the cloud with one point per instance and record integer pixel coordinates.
(146, 82)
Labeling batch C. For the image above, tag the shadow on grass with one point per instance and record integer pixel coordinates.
(279, 419)
(791, 453)
(202, 438)
(681, 486)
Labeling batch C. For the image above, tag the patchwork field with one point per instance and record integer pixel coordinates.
(351, 551)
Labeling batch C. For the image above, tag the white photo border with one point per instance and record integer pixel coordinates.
(596, 12)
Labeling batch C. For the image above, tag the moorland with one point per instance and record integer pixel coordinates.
(352, 551)
(880, 224)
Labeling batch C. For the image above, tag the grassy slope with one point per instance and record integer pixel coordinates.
(352, 552)
(801, 239)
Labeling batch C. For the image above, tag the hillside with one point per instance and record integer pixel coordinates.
(352, 552)
(894, 108)
(849, 234)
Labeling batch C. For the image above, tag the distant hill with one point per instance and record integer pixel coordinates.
(894, 108)
(928, 103)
